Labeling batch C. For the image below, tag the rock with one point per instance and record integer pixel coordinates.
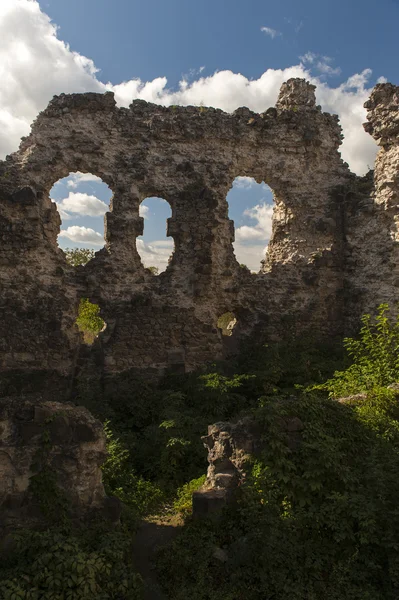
(231, 446)
(209, 501)
(220, 555)
(37, 435)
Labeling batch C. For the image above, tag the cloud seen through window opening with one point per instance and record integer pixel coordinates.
(82, 235)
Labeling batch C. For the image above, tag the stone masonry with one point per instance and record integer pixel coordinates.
(333, 252)
(39, 437)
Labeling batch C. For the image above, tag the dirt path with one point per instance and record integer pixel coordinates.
(152, 534)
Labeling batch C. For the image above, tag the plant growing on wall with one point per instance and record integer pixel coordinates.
(89, 321)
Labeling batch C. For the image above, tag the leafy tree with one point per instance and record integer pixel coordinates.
(78, 256)
(154, 270)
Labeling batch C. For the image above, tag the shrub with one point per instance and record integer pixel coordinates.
(321, 521)
(375, 357)
(120, 480)
(183, 503)
(89, 321)
(53, 565)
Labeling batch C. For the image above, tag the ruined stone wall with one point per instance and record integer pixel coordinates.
(372, 239)
(189, 156)
(50, 459)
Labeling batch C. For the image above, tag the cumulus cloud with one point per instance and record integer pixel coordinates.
(250, 255)
(82, 235)
(270, 32)
(251, 241)
(144, 211)
(262, 214)
(82, 204)
(155, 254)
(35, 65)
(75, 179)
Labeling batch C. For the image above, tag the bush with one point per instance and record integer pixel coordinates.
(375, 357)
(53, 565)
(120, 480)
(184, 499)
(89, 321)
(321, 521)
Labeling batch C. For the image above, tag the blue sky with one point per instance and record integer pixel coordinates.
(152, 38)
(220, 53)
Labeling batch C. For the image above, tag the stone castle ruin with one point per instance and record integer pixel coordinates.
(334, 251)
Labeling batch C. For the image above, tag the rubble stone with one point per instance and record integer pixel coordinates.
(65, 441)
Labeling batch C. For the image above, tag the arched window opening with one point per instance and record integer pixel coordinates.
(154, 247)
(82, 200)
(89, 322)
(227, 322)
(251, 209)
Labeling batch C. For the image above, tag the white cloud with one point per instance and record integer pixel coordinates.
(247, 183)
(251, 241)
(35, 65)
(155, 254)
(309, 57)
(244, 183)
(262, 214)
(327, 69)
(75, 179)
(64, 215)
(250, 255)
(144, 211)
(270, 32)
(82, 235)
(82, 204)
(321, 63)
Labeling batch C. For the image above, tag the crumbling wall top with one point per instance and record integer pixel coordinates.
(296, 93)
(383, 114)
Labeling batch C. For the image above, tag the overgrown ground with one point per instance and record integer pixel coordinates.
(320, 522)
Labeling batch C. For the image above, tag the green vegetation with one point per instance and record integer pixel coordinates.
(224, 320)
(55, 565)
(154, 270)
(317, 516)
(319, 520)
(89, 321)
(183, 502)
(78, 256)
(375, 357)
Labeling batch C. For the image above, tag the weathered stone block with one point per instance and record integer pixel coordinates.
(36, 436)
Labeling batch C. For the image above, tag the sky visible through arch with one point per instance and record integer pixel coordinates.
(217, 53)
